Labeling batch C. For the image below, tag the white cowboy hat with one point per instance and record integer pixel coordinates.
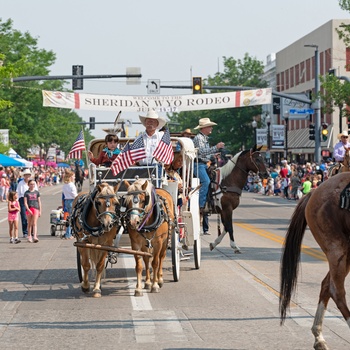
(204, 122)
(153, 115)
(343, 133)
(27, 172)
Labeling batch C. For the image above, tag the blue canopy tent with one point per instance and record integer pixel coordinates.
(8, 161)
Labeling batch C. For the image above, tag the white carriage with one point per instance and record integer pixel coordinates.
(188, 218)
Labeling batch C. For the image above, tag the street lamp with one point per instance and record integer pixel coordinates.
(254, 125)
(317, 106)
(286, 118)
(268, 122)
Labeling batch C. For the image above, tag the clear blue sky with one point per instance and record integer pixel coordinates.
(168, 40)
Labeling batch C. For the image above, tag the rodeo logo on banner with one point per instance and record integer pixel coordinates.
(176, 103)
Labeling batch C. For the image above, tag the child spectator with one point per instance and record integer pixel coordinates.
(32, 203)
(13, 210)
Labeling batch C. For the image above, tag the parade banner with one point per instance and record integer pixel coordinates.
(175, 103)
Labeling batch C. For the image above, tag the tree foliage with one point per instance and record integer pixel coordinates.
(234, 124)
(21, 109)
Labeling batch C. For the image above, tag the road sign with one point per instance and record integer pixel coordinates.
(153, 86)
(301, 111)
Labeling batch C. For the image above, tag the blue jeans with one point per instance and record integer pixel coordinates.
(23, 217)
(68, 203)
(205, 182)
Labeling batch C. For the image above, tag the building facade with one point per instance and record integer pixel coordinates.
(295, 74)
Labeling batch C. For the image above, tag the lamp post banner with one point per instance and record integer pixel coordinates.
(172, 103)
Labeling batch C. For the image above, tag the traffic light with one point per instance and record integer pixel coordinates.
(324, 131)
(197, 85)
(77, 84)
(92, 123)
(311, 131)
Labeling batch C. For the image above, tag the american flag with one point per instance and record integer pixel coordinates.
(78, 147)
(164, 151)
(129, 155)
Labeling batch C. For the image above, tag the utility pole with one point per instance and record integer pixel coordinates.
(317, 106)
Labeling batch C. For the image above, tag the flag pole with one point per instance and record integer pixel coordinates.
(86, 151)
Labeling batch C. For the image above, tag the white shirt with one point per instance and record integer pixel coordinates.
(69, 190)
(151, 143)
(22, 187)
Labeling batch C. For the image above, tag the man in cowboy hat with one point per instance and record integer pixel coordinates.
(339, 148)
(201, 142)
(151, 137)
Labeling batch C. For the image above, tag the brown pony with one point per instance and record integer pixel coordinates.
(330, 226)
(93, 220)
(341, 167)
(226, 198)
(150, 220)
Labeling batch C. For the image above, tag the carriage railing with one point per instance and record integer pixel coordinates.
(153, 173)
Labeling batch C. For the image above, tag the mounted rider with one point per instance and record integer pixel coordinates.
(340, 148)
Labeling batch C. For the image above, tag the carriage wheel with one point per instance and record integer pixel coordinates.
(80, 269)
(197, 253)
(175, 255)
(53, 230)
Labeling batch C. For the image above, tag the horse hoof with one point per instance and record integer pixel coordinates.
(96, 293)
(148, 285)
(321, 345)
(237, 251)
(211, 246)
(155, 288)
(138, 293)
(85, 289)
(160, 283)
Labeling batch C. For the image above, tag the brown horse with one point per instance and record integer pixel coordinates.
(341, 167)
(330, 226)
(150, 219)
(93, 220)
(233, 177)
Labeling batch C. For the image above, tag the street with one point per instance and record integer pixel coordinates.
(231, 302)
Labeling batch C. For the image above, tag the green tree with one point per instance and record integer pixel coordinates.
(334, 93)
(234, 124)
(30, 123)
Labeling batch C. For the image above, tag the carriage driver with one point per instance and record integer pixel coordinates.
(201, 142)
(339, 148)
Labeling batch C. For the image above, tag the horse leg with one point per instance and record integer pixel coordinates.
(316, 329)
(226, 219)
(332, 287)
(138, 269)
(85, 263)
(155, 268)
(162, 257)
(148, 283)
(100, 268)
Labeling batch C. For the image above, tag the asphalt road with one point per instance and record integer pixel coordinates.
(231, 302)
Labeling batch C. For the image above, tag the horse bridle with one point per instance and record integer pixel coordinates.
(251, 159)
(141, 212)
(107, 198)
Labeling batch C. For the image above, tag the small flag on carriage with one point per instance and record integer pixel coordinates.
(78, 147)
(164, 151)
(129, 155)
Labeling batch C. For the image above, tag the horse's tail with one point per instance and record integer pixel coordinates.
(291, 255)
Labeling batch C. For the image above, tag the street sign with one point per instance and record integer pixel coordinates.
(301, 111)
(153, 86)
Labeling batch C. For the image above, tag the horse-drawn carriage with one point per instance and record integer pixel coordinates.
(140, 202)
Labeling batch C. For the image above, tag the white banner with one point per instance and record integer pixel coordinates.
(261, 137)
(278, 136)
(178, 103)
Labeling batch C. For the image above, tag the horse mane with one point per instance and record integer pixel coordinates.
(228, 167)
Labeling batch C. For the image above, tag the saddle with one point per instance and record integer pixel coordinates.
(345, 198)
